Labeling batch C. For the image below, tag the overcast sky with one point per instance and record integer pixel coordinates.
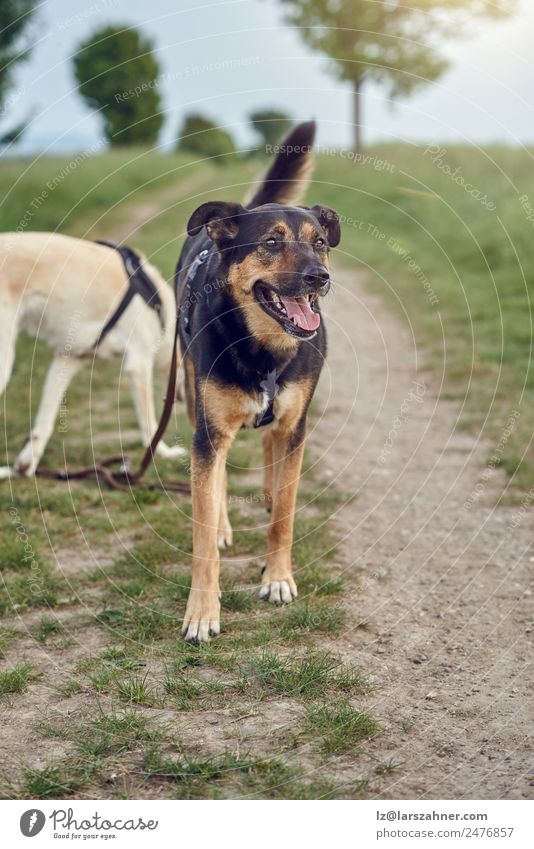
(226, 57)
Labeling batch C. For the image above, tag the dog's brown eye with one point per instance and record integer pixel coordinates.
(271, 243)
(320, 243)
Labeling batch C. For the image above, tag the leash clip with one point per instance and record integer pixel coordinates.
(270, 387)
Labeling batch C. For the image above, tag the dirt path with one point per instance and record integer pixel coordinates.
(444, 589)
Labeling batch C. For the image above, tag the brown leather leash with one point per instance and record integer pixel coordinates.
(124, 477)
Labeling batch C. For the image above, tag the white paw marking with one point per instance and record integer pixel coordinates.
(7, 472)
(170, 452)
(201, 631)
(279, 592)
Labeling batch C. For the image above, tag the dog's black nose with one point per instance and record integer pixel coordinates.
(317, 278)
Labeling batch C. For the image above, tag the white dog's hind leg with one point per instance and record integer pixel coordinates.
(8, 338)
(7, 353)
(142, 389)
(62, 369)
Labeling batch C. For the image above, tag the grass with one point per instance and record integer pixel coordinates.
(342, 729)
(49, 782)
(48, 628)
(300, 677)
(302, 619)
(16, 680)
(136, 689)
(94, 192)
(201, 778)
(459, 274)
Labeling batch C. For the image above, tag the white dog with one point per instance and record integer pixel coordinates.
(65, 291)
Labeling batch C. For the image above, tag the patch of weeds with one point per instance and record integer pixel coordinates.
(302, 618)
(19, 593)
(196, 775)
(443, 749)
(110, 618)
(114, 733)
(325, 499)
(138, 623)
(243, 640)
(47, 628)
(137, 689)
(177, 587)
(342, 728)
(68, 689)
(464, 713)
(144, 625)
(183, 689)
(16, 680)
(387, 767)
(301, 677)
(103, 678)
(13, 557)
(122, 662)
(235, 599)
(229, 776)
(111, 658)
(189, 657)
(6, 636)
(317, 580)
(144, 559)
(189, 693)
(313, 542)
(50, 782)
(407, 726)
(105, 670)
(273, 779)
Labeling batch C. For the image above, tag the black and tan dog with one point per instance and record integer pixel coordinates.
(249, 281)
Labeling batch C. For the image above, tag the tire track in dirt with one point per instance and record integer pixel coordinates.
(444, 588)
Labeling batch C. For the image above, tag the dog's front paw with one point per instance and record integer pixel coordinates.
(202, 616)
(7, 472)
(170, 452)
(281, 591)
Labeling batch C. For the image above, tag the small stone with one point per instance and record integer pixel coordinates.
(432, 695)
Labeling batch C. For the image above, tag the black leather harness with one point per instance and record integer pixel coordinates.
(139, 283)
(268, 381)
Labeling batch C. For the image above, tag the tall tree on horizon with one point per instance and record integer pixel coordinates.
(15, 15)
(392, 42)
(117, 73)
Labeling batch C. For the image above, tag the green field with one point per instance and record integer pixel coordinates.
(95, 656)
(459, 272)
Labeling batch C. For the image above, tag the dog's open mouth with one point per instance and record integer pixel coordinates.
(298, 314)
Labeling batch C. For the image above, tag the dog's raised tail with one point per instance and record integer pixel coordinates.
(286, 180)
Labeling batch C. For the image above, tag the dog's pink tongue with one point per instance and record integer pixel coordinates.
(300, 312)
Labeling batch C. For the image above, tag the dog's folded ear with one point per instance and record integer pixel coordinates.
(221, 219)
(329, 221)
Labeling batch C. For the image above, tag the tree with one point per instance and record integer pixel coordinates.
(15, 15)
(201, 136)
(117, 74)
(389, 41)
(270, 124)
